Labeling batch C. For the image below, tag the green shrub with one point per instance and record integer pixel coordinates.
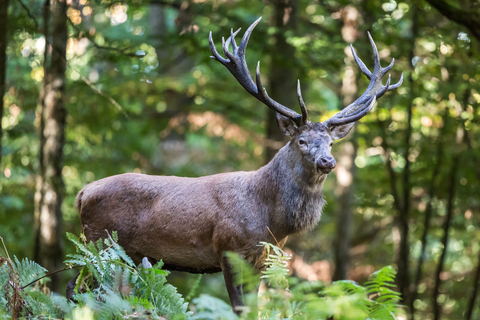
(110, 286)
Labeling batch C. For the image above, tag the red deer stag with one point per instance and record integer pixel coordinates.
(190, 223)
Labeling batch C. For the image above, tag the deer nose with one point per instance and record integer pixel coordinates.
(326, 164)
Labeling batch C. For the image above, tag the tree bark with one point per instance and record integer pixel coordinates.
(3, 61)
(38, 199)
(428, 213)
(54, 114)
(476, 282)
(346, 169)
(282, 75)
(403, 277)
(446, 228)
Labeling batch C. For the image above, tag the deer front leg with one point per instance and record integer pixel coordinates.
(234, 292)
(71, 287)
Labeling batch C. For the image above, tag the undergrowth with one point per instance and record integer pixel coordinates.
(111, 286)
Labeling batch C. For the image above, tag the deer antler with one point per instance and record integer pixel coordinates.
(236, 64)
(360, 107)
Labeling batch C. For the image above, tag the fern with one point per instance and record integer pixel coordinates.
(287, 298)
(135, 291)
(276, 264)
(384, 300)
(110, 286)
(28, 270)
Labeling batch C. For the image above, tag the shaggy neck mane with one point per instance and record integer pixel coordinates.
(294, 192)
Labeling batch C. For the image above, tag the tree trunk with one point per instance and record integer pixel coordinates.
(346, 169)
(456, 163)
(3, 61)
(50, 216)
(446, 228)
(282, 75)
(403, 277)
(38, 199)
(158, 27)
(428, 214)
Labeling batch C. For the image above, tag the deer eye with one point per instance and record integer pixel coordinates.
(302, 142)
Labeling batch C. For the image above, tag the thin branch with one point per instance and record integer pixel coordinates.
(84, 79)
(49, 274)
(92, 86)
(173, 4)
(30, 15)
(467, 18)
(113, 101)
(96, 45)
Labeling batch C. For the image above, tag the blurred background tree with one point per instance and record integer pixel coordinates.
(140, 94)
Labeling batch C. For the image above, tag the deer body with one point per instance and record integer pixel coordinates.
(190, 223)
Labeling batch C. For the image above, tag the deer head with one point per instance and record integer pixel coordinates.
(312, 140)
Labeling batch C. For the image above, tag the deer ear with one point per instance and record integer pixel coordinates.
(338, 132)
(285, 124)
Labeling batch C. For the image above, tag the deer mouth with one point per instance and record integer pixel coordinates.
(324, 170)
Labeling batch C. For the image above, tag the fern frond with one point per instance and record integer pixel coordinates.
(28, 270)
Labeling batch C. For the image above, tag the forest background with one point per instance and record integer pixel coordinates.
(96, 88)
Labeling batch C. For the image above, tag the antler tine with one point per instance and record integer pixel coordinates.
(302, 105)
(246, 37)
(384, 88)
(216, 55)
(226, 44)
(360, 107)
(237, 65)
(232, 36)
(261, 89)
(396, 85)
(376, 58)
(384, 71)
(360, 64)
(225, 49)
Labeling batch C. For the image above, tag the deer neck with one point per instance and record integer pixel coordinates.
(292, 193)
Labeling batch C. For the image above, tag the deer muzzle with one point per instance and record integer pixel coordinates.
(325, 164)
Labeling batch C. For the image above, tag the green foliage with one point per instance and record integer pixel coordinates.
(208, 307)
(284, 297)
(276, 266)
(176, 80)
(110, 286)
(26, 301)
(349, 300)
(113, 286)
